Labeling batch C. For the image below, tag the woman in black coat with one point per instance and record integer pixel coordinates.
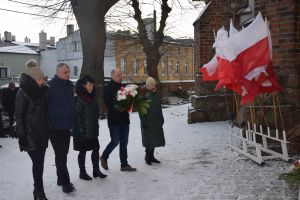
(32, 127)
(86, 128)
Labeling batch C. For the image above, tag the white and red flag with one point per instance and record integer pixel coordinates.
(243, 60)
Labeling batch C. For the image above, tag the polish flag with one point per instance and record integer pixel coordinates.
(210, 70)
(261, 79)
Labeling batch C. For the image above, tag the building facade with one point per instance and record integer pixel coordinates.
(69, 50)
(176, 63)
(12, 61)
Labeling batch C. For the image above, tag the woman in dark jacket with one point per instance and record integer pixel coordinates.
(32, 127)
(152, 123)
(86, 128)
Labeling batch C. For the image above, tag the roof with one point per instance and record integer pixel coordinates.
(202, 12)
(21, 49)
(31, 44)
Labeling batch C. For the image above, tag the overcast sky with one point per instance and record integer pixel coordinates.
(22, 25)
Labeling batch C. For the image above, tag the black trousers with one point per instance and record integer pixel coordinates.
(60, 140)
(94, 158)
(37, 157)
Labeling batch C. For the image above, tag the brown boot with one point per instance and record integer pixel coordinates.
(127, 168)
(104, 163)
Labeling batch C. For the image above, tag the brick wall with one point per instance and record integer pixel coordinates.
(216, 15)
(285, 32)
(284, 17)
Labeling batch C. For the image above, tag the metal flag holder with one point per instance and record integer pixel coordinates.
(254, 141)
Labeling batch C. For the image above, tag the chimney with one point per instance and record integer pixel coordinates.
(70, 29)
(52, 41)
(7, 36)
(43, 40)
(26, 39)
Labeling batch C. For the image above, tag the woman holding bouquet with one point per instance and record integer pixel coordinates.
(86, 128)
(152, 123)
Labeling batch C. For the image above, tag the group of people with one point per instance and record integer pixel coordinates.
(56, 111)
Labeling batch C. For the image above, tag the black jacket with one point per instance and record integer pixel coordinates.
(8, 100)
(114, 117)
(32, 125)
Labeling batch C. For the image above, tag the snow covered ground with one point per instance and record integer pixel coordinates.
(196, 165)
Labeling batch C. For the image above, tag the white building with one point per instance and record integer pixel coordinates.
(69, 50)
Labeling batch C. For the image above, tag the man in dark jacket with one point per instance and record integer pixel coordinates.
(61, 108)
(8, 102)
(118, 123)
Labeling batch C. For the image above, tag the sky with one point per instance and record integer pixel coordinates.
(22, 25)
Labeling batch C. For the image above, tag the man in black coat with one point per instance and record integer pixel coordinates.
(118, 123)
(61, 108)
(8, 101)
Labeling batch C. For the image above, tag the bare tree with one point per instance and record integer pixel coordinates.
(90, 16)
(151, 48)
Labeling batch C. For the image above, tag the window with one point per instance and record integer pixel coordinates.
(169, 67)
(76, 46)
(186, 68)
(3, 72)
(75, 71)
(177, 50)
(145, 67)
(135, 66)
(123, 65)
(177, 68)
(163, 69)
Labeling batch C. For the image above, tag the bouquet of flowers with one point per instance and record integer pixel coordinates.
(293, 177)
(128, 98)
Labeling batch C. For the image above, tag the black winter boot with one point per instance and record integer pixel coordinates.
(96, 168)
(81, 162)
(98, 173)
(84, 176)
(148, 158)
(153, 159)
(39, 195)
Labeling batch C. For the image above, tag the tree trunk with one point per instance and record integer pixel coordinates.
(152, 65)
(90, 16)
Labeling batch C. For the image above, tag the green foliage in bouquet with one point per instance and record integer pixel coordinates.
(142, 104)
(293, 177)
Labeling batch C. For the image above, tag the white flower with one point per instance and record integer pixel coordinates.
(121, 95)
(133, 93)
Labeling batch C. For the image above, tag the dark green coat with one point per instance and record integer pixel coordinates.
(86, 119)
(152, 123)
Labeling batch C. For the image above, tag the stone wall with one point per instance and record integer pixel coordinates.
(168, 88)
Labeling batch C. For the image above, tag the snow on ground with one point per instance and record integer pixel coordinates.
(196, 165)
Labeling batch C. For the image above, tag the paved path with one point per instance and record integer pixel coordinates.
(196, 165)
